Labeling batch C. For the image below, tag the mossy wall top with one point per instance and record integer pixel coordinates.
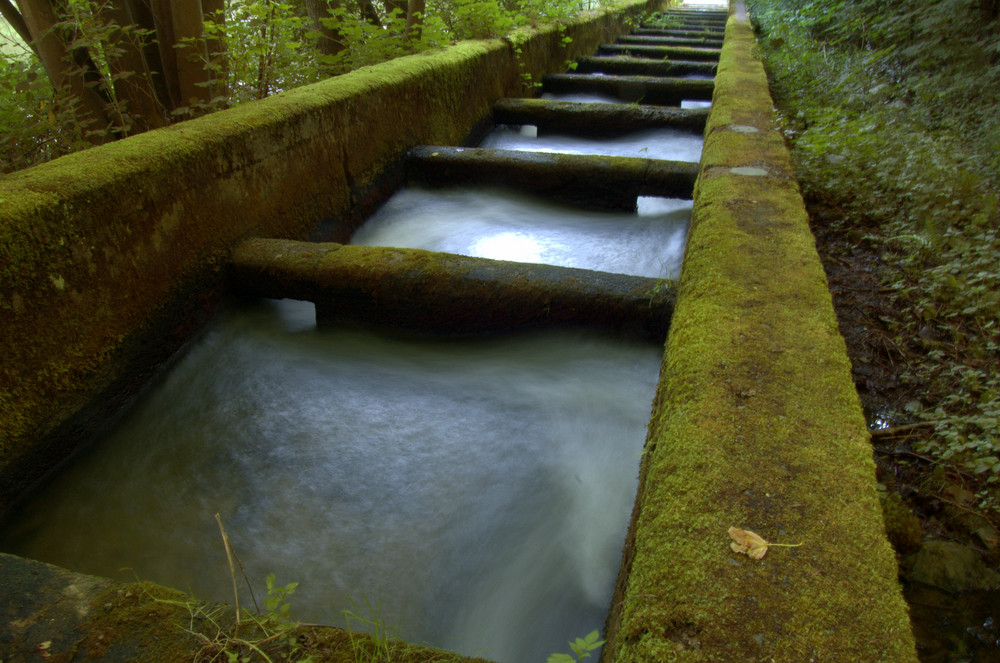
(96, 245)
(756, 425)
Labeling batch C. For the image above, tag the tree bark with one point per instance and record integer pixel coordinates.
(415, 17)
(401, 7)
(192, 56)
(369, 13)
(131, 76)
(330, 41)
(39, 18)
(142, 15)
(163, 25)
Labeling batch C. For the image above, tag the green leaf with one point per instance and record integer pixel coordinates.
(559, 658)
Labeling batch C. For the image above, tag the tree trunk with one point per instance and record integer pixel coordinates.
(415, 17)
(192, 75)
(217, 69)
(142, 15)
(163, 25)
(131, 76)
(369, 13)
(401, 7)
(330, 41)
(60, 65)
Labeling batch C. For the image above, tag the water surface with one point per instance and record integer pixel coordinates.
(480, 489)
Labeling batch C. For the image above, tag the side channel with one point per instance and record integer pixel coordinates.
(474, 491)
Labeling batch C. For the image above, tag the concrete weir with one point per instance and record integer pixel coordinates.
(111, 259)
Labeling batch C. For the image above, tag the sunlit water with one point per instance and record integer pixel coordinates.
(671, 144)
(508, 226)
(594, 98)
(479, 489)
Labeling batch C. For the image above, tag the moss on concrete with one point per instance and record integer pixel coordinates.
(96, 246)
(757, 425)
(65, 616)
(447, 293)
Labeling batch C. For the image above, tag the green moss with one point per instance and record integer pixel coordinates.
(144, 622)
(756, 425)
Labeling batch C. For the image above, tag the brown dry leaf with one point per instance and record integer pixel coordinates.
(753, 544)
(748, 543)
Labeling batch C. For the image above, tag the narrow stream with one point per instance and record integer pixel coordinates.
(477, 490)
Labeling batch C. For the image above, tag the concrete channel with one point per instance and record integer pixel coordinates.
(755, 424)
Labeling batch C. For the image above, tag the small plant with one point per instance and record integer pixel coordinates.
(379, 646)
(582, 647)
(245, 637)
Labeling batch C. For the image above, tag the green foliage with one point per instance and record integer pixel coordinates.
(581, 647)
(39, 122)
(891, 108)
(382, 642)
(260, 48)
(249, 637)
(257, 48)
(30, 119)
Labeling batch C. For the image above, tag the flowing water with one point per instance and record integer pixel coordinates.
(672, 144)
(476, 490)
(508, 226)
(479, 489)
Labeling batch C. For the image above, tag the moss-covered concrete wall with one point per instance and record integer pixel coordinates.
(756, 425)
(60, 615)
(109, 258)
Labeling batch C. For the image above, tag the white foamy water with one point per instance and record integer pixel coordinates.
(670, 144)
(508, 226)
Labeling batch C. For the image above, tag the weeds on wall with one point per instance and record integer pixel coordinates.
(892, 110)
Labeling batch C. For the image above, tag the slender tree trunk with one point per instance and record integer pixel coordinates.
(215, 11)
(369, 13)
(415, 17)
(265, 59)
(163, 24)
(39, 18)
(399, 6)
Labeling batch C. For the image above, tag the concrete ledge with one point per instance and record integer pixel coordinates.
(629, 66)
(591, 181)
(757, 425)
(596, 119)
(446, 293)
(110, 258)
(633, 89)
(50, 613)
